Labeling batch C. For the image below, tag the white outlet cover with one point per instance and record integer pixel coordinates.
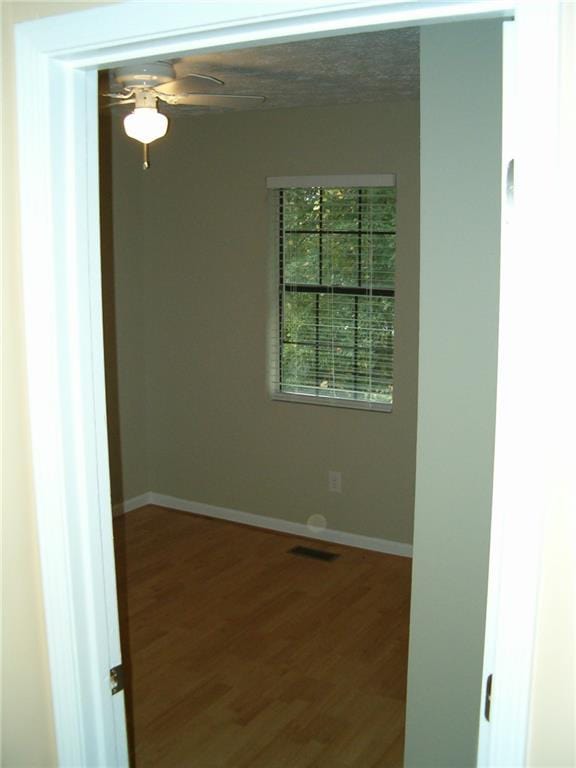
(335, 481)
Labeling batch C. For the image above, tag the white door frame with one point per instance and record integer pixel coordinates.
(531, 448)
(58, 152)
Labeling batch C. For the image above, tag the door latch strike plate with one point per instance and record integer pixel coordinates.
(117, 679)
(488, 698)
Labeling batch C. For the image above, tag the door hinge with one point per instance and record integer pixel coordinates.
(488, 698)
(117, 679)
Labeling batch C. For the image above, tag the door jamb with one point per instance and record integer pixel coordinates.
(60, 252)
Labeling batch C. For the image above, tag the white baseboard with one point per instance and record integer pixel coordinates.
(135, 503)
(271, 523)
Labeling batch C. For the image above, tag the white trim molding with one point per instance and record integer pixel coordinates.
(270, 523)
(134, 503)
(333, 180)
(531, 457)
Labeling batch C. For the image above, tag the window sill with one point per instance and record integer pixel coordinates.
(333, 402)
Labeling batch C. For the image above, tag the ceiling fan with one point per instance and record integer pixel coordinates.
(145, 84)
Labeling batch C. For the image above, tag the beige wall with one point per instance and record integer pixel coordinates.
(27, 731)
(214, 435)
(461, 75)
(553, 711)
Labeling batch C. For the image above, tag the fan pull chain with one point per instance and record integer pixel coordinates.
(146, 163)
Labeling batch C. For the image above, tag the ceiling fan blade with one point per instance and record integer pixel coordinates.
(119, 103)
(125, 93)
(215, 100)
(183, 84)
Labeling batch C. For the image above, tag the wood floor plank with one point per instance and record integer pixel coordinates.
(240, 655)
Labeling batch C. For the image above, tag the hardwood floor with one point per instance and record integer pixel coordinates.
(240, 655)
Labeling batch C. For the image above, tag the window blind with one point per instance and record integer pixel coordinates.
(336, 268)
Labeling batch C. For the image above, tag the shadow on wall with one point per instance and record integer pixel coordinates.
(113, 400)
(109, 308)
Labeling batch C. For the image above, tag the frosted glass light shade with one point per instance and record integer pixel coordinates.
(146, 124)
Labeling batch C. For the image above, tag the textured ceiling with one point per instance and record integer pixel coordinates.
(349, 69)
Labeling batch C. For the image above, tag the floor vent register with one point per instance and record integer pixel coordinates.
(314, 554)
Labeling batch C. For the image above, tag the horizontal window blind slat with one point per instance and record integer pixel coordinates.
(339, 290)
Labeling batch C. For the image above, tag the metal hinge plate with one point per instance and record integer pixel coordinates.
(117, 679)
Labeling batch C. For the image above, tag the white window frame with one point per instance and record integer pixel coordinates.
(326, 181)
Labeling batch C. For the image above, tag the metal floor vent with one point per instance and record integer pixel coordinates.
(315, 554)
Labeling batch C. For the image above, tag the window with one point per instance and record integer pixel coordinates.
(336, 246)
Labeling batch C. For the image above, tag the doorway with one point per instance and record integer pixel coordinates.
(477, 346)
(51, 546)
(192, 267)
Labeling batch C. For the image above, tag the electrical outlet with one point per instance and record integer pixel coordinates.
(334, 481)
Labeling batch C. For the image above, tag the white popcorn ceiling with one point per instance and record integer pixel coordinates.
(347, 69)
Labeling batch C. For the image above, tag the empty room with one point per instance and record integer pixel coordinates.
(261, 277)
(261, 370)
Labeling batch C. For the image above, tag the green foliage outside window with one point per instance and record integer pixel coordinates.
(336, 342)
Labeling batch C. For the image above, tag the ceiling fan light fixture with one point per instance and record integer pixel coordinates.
(146, 124)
